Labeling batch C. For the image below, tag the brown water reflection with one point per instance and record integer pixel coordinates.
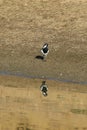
(25, 108)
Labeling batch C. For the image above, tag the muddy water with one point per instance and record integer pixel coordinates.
(23, 107)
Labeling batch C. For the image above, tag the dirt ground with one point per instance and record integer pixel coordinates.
(25, 25)
(23, 107)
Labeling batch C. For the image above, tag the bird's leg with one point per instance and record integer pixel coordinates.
(44, 58)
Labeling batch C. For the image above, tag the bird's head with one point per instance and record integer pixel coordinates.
(45, 45)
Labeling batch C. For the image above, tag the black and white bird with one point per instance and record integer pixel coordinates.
(44, 88)
(45, 50)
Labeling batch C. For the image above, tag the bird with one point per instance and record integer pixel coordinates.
(44, 88)
(45, 50)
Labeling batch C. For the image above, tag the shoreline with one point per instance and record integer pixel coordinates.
(8, 73)
(25, 82)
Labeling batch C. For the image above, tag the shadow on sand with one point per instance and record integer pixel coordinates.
(39, 57)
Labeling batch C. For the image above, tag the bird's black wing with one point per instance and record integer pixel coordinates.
(45, 50)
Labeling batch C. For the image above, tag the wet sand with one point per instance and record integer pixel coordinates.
(26, 25)
(23, 107)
